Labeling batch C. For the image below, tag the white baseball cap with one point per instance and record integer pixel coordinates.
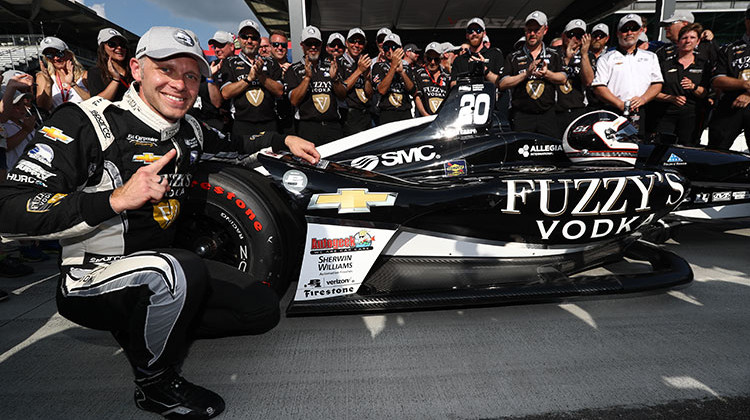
(53, 42)
(355, 31)
(434, 46)
(630, 17)
(336, 36)
(575, 24)
(601, 27)
(383, 31)
(9, 74)
(222, 37)
(677, 16)
(165, 41)
(392, 38)
(248, 22)
(476, 21)
(310, 32)
(537, 16)
(448, 47)
(108, 33)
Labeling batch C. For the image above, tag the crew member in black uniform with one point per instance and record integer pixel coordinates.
(252, 83)
(392, 81)
(531, 74)
(354, 67)
(492, 59)
(110, 179)
(686, 82)
(732, 76)
(598, 46)
(432, 82)
(314, 86)
(571, 95)
(210, 106)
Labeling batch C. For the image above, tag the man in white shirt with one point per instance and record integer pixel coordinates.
(628, 74)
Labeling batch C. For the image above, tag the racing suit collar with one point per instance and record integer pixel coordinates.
(132, 102)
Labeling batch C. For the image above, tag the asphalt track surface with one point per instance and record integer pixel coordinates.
(679, 354)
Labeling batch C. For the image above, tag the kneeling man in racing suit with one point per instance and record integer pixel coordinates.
(108, 179)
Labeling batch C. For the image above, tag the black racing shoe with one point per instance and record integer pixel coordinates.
(173, 397)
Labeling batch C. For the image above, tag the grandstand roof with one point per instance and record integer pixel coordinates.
(426, 15)
(68, 20)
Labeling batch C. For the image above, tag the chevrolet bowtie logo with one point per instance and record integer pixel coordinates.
(352, 200)
(54, 133)
(147, 158)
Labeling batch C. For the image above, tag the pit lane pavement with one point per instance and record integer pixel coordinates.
(604, 356)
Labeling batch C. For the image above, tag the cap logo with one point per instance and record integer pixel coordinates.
(183, 38)
(112, 32)
(310, 30)
(47, 41)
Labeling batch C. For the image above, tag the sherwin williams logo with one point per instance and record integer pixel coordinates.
(352, 200)
(183, 38)
(54, 133)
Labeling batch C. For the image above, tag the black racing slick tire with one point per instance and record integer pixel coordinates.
(236, 216)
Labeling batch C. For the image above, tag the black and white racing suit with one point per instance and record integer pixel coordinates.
(118, 271)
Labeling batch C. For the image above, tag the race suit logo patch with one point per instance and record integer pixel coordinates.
(146, 158)
(321, 102)
(42, 153)
(255, 96)
(43, 202)
(166, 212)
(535, 88)
(33, 169)
(674, 160)
(566, 87)
(434, 104)
(54, 133)
(352, 200)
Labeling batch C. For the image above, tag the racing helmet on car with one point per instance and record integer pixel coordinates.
(601, 137)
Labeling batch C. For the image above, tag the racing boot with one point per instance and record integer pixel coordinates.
(169, 394)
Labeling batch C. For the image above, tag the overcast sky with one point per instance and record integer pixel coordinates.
(203, 17)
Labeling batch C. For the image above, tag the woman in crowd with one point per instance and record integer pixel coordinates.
(110, 78)
(686, 82)
(61, 77)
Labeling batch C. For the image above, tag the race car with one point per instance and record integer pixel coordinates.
(451, 210)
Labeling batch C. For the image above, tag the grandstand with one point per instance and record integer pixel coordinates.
(25, 22)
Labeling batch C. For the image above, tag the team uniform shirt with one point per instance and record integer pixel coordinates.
(627, 75)
(60, 187)
(533, 96)
(593, 101)
(705, 50)
(256, 104)
(431, 90)
(396, 98)
(673, 72)
(356, 97)
(319, 102)
(733, 61)
(572, 93)
(494, 64)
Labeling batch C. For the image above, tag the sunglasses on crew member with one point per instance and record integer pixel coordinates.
(390, 47)
(312, 43)
(476, 30)
(599, 34)
(279, 45)
(574, 34)
(630, 28)
(252, 37)
(435, 59)
(357, 41)
(57, 54)
(336, 45)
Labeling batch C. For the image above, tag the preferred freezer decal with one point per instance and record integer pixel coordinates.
(337, 259)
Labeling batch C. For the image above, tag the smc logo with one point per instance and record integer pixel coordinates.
(399, 157)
